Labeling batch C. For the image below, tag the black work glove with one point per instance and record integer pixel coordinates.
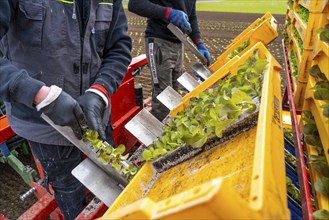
(93, 106)
(65, 111)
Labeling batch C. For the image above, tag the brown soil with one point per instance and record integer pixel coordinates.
(11, 187)
(217, 29)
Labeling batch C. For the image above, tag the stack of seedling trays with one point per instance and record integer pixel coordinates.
(263, 29)
(315, 125)
(293, 187)
(303, 20)
(307, 38)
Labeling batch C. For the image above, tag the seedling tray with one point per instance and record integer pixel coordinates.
(261, 30)
(245, 173)
(185, 152)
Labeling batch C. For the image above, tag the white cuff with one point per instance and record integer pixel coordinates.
(53, 94)
(100, 94)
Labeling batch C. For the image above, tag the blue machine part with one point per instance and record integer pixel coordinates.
(295, 209)
(292, 174)
(4, 150)
(288, 145)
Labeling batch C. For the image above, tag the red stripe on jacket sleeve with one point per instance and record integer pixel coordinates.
(101, 89)
(167, 13)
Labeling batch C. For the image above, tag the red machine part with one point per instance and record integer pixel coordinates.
(44, 207)
(299, 148)
(124, 105)
(5, 130)
(2, 217)
(94, 209)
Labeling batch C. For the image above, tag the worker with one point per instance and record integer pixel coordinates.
(164, 51)
(64, 59)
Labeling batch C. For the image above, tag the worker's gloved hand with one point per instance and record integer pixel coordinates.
(204, 51)
(179, 19)
(63, 110)
(94, 106)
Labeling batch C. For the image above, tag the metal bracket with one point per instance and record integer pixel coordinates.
(170, 98)
(201, 70)
(145, 127)
(87, 149)
(188, 81)
(97, 181)
(180, 35)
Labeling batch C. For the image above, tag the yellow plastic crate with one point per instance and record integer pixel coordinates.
(293, 49)
(264, 18)
(286, 119)
(242, 178)
(300, 94)
(294, 84)
(296, 50)
(314, 106)
(315, 6)
(322, 201)
(304, 61)
(305, 66)
(264, 33)
(290, 14)
(321, 56)
(308, 31)
(288, 30)
(227, 68)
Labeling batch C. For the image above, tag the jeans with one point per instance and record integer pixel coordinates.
(165, 59)
(57, 163)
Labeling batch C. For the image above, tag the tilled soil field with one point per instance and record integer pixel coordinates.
(11, 187)
(218, 29)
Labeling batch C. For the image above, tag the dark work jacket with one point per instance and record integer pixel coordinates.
(46, 46)
(155, 11)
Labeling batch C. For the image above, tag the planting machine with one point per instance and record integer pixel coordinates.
(222, 152)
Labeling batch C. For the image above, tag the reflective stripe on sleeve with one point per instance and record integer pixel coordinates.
(152, 63)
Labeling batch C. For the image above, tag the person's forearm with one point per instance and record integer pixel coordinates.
(147, 9)
(16, 84)
(195, 34)
(117, 53)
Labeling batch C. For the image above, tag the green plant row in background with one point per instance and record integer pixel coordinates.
(244, 6)
(240, 6)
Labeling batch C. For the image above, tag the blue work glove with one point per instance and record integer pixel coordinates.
(204, 51)
(180, 19)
